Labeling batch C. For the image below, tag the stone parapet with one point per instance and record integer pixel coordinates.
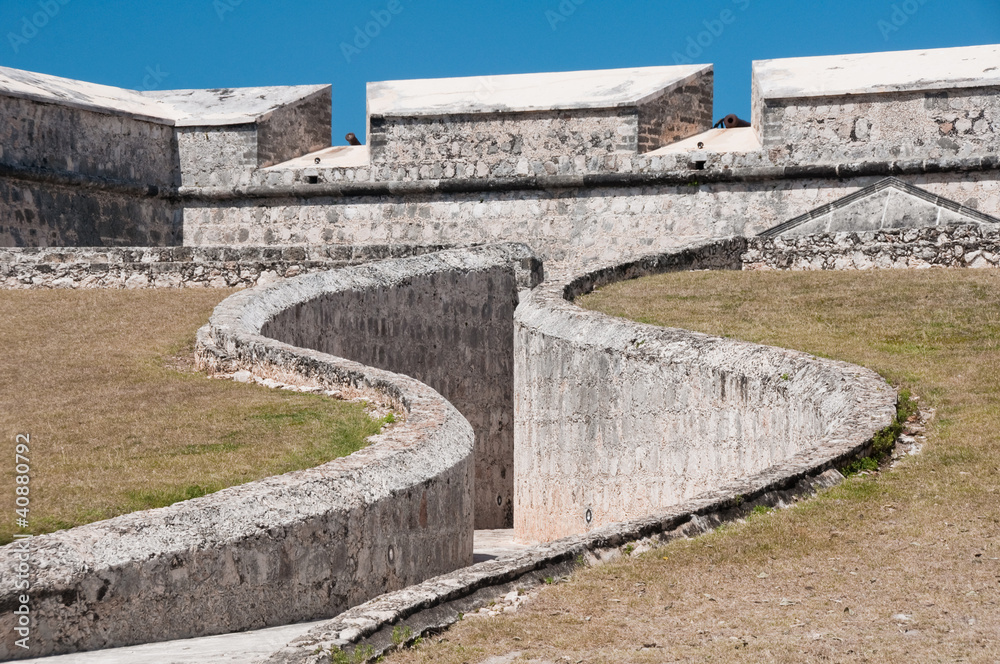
(181, 267)
(615, 420)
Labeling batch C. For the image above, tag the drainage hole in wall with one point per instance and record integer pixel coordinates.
(499, 500)
(312, 179)
(391, 555)
(588, 516)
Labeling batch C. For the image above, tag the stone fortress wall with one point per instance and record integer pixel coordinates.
(307, 544)
(449, 329)
(585, 168)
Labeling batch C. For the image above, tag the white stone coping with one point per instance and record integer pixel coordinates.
(866, 73)
(604, 88)
(338, 156)
(181, 108)
(228, 106)
(735, 139)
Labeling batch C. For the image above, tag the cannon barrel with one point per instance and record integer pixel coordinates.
(731, 121)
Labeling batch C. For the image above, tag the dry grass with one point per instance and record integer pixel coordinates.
(897, 566)
(117, 424)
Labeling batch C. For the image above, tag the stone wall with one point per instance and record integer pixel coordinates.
(500, 144)
(677, 114)
(38, 213)
(180, 267)
(907, 125)
(227, 155)
(569, 227)
(217, 156)
(444, 319)
(58, 137)
(295, 547)
(615, 420)
(973, 246)
(294, 129)
(506, 144)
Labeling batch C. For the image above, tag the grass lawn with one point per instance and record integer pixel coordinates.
(118, 420)
(895, 566)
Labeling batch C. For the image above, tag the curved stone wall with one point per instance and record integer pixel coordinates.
(615, 420)
(294, 547)
(444, 319)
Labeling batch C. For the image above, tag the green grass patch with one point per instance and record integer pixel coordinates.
(103, 383)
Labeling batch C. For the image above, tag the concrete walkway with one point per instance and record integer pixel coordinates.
(246, 647)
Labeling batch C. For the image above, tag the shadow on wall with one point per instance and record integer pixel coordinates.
(448, 328)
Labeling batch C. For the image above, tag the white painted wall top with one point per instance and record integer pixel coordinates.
(227, 106)
(604, 88)
(171, 107)
(80, 94)
(865, 73)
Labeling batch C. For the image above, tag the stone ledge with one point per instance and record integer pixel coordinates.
(181, 267)
(974, 246)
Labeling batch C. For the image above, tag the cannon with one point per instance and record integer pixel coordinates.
(731, 121)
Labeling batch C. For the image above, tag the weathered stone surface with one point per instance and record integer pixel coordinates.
(180, 267)
(569, 228)
(506, 138)
(444, 319)
(436, 603)
(288, 548)
(889, 203)
(616, 420)
(929, 104)
(34, 214)
(937, 246)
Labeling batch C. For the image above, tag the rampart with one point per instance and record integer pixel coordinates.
(616, 420)
(567, 426)
(444, 319)
(180, 267)
(585, 167)
(303, 545)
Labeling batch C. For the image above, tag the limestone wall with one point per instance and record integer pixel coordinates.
(615, 420)
(574, 226)
(180, 267)
(227, 155)
(973, 246)
(43, 213)
(904, 125)
(502, 126)
(64, 137)
(921, 104)
(507, 144)
(294, 547)
(444, 319)
(501, 144)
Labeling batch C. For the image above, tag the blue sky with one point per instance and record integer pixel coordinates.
(230, 43)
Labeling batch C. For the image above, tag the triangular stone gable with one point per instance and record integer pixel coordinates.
(889, 203)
